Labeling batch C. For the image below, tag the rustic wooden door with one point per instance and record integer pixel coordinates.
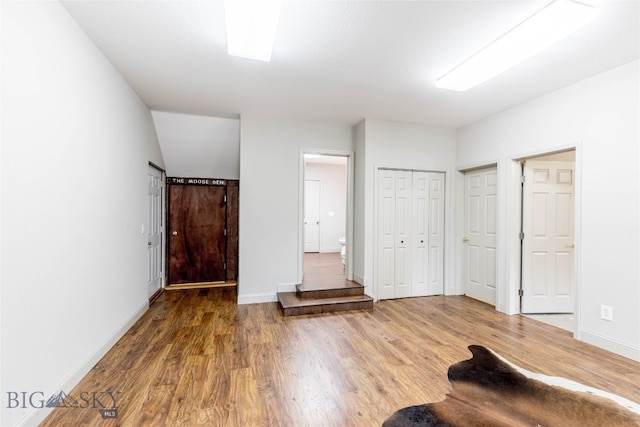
(197, 242)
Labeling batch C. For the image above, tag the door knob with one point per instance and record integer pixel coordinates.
(175, 233)
(465, 239)
(148, 243)
(573, 245)
(317, 222)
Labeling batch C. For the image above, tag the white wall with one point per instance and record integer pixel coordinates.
(359, 202)
(76, 142)
(601, 118)
(199, 146)
(270, 162)
(402, 146)
(333, 198)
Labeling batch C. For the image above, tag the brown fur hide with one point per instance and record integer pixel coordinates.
(488, 391)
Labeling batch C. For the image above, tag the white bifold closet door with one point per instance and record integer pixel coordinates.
(410, 233)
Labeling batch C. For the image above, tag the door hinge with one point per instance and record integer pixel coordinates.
(521, 236)
(225, 199)
(520, 293)
(225, 265)
(225, 231)
(522, 179)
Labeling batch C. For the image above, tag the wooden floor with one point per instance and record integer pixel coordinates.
(197, 358)
(323, 269)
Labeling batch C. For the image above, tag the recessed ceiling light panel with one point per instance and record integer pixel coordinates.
(251, 27)
(549, 25)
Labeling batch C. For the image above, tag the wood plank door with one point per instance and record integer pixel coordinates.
(197, 242)
(548, 245)
(480, 226)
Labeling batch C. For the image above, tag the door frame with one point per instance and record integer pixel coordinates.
(187, 182)
(349, 230)
(163, 225)
(515, 264)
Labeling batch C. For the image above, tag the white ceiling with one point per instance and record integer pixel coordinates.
(342, 61)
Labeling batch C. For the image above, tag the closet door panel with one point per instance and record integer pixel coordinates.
(420, 220)
(436, 233)
(403, 240)
(386, 234)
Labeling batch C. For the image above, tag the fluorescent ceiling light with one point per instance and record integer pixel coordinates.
(251, 27)
(550, 24)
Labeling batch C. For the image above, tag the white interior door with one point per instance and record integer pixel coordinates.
(311, 216)
(386, 234)
(548, 245)
(436, 234)
(155, 258)
(394, 231)
(480, 262)
(428, 234)
(410, 257)
(420, 218)
(403, 249)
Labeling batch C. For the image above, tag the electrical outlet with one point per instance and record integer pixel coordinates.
(606, 312)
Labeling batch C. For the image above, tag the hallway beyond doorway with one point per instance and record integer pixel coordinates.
(323, 269)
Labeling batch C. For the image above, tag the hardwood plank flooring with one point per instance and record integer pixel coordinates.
(321, 269)
(196, 358)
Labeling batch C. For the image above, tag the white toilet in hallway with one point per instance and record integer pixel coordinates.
(343, 251)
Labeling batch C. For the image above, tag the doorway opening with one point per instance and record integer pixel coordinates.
(326, 217)
(547, 267)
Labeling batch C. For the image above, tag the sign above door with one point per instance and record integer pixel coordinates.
(197, 181)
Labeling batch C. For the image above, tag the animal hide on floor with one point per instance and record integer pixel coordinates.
(487, 390)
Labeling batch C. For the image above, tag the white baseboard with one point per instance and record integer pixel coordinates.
(286, 287)
(358, 279)
(330, 250)
(608, 344)
(257, 298)
(36, 416)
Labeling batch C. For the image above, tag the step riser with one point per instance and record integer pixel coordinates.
(331, 293)
(328, 308)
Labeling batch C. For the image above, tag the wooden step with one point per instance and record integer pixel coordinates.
(293, 305)
(329, 291)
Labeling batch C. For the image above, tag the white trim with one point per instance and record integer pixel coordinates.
(350, 207)
(614, 346)
(286, 287)
(257, 298)
(513, 219)
(37, 415)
